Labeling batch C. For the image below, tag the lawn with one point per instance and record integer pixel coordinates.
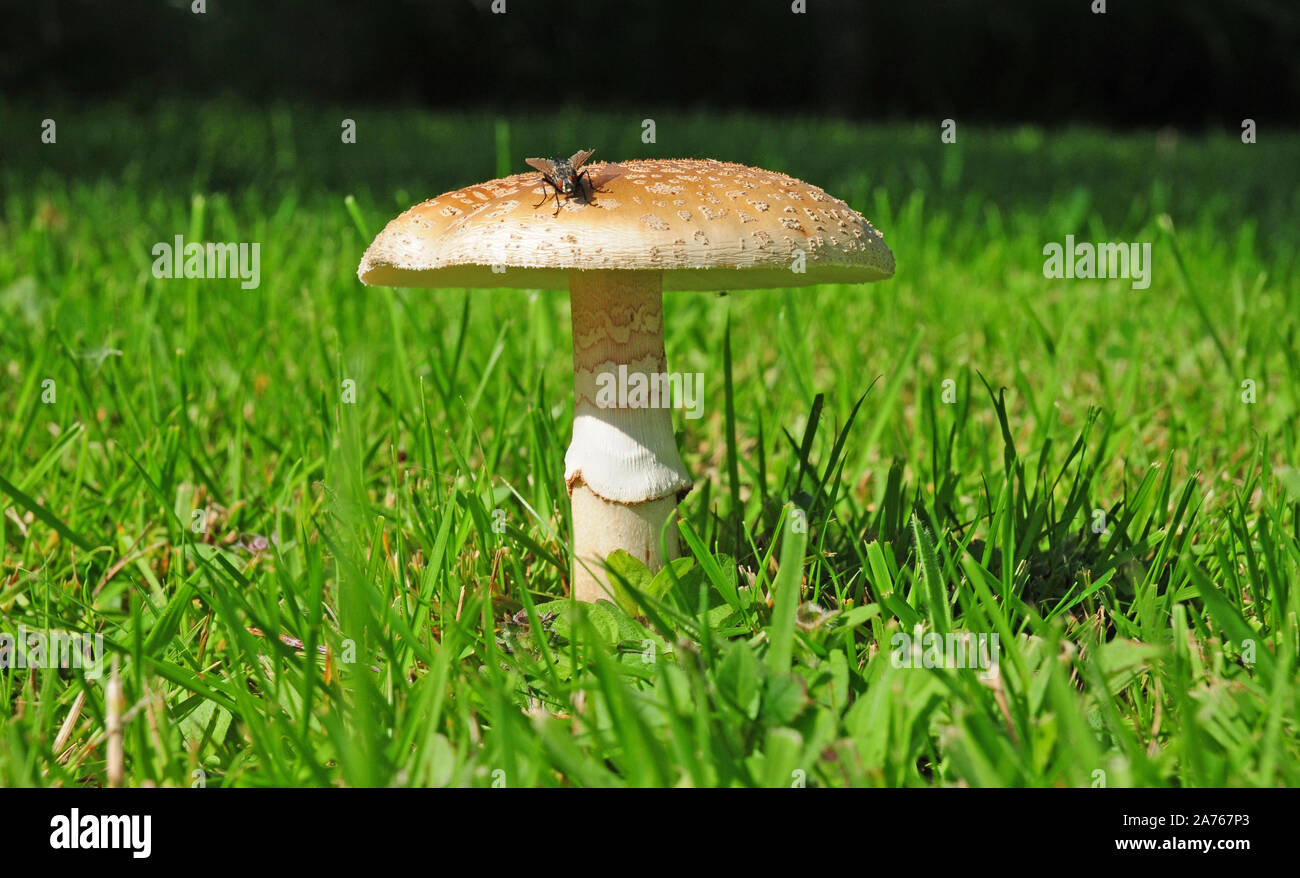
(322, 527)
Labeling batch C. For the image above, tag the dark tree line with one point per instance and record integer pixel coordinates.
(1144, 62)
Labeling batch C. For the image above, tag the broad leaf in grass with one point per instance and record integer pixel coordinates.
(784, 698)
(738, 678)
(440, 761)
(612, 625)
(1290, 479)
(627, 572)
(207, 721)
(851, 619)
(685, 572)
(1123, 661)
(839, 674)
(723, 618)
(601, 615)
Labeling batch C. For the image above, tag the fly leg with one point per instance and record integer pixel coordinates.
(546, 195)
(584, 183)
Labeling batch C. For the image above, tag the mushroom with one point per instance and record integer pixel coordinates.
(681, 224)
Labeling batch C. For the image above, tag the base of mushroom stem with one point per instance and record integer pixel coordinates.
(602, 526)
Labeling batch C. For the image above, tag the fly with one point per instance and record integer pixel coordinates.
(566, 177)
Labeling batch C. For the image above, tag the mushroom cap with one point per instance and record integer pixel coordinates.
(705, 224)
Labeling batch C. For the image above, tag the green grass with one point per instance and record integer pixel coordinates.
(1160, 651)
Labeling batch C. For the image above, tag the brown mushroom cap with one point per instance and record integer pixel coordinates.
(707, 225)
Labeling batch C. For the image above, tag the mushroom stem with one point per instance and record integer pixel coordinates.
(622, 467)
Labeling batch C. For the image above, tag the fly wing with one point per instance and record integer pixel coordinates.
(605, 174)
(579, 157)
(546, 166)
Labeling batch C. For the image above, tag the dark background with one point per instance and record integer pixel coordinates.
(1194, 63)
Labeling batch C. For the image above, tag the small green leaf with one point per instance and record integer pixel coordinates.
(604, 618)
(738, 677)
(206, 720)
(1290, 479)
(683, 570)
(784, 698)
(624, 572)
(839, 678)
